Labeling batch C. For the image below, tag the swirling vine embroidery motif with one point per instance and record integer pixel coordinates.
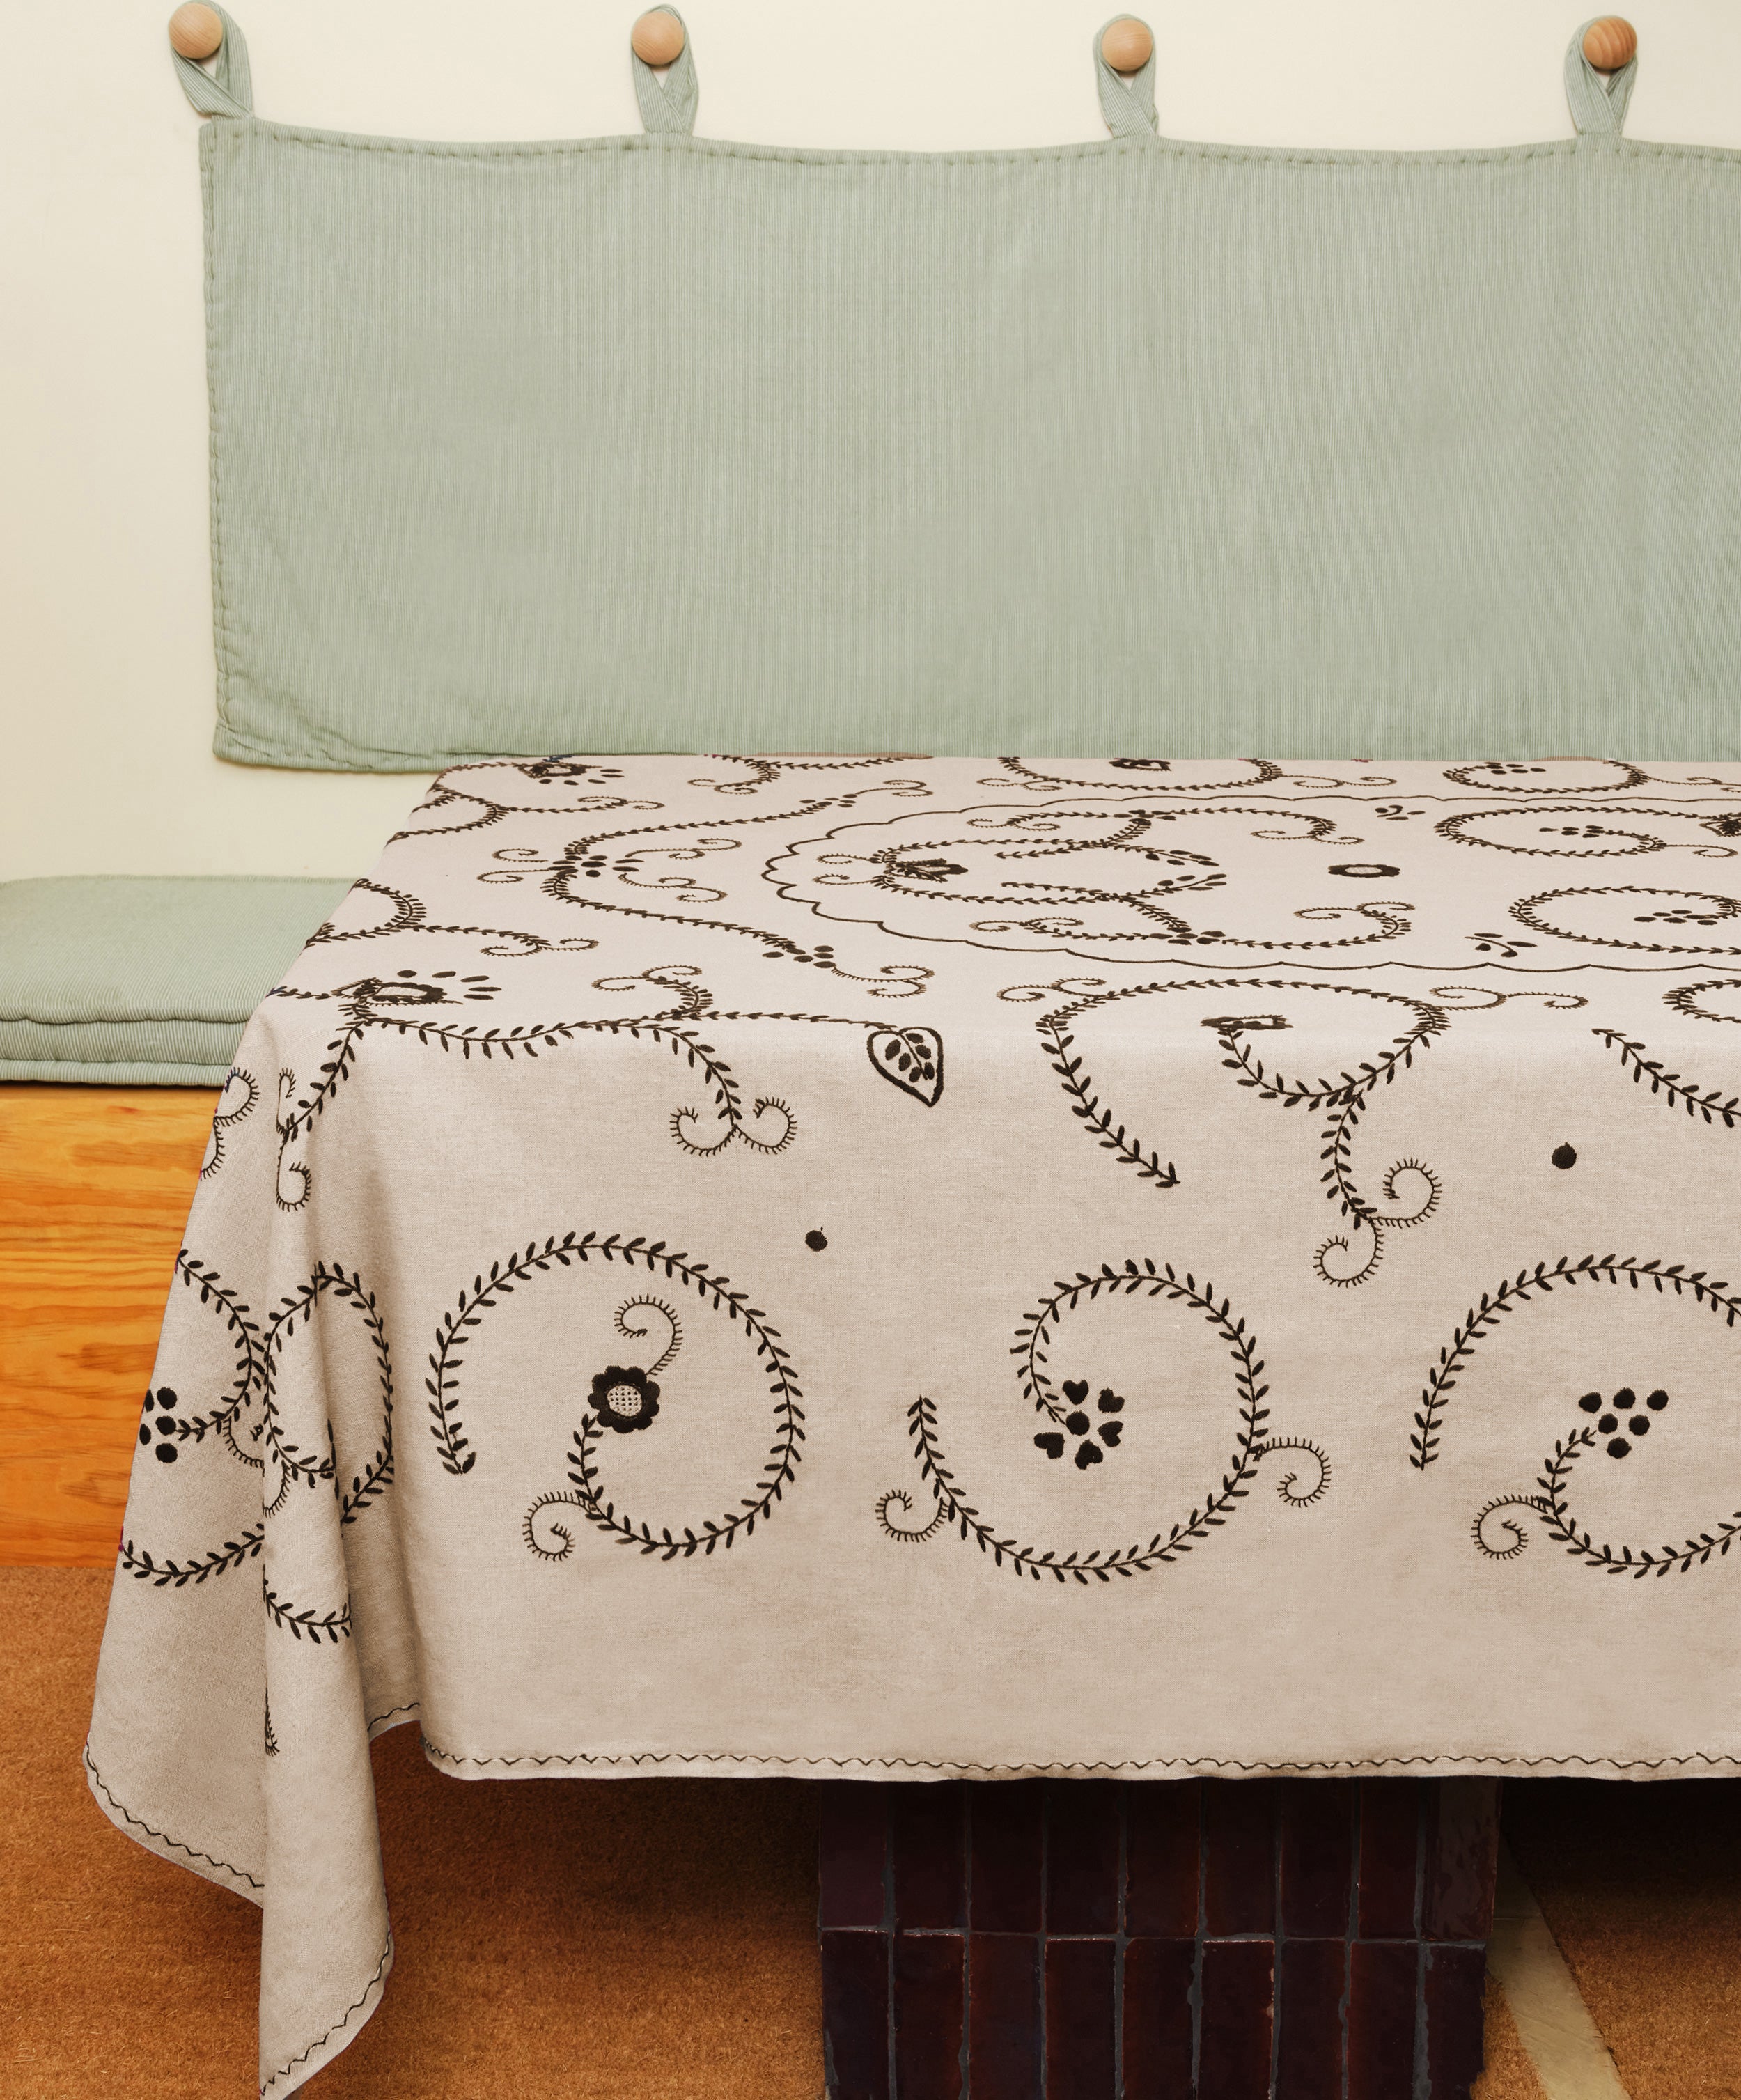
(1673, 1089)
(625, 1392)
(1627, 845)
(909, 1058)
(1528, 912)
(1251, 1444)
(1551, 1507)
(225, 1119)
(1346, 1098)
(582, 858)
(1526, 1288)
(253, 1392)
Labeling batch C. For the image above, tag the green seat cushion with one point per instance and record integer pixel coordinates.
(143, 980)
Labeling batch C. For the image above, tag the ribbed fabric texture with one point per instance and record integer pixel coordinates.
(657, 443)
(138, 980)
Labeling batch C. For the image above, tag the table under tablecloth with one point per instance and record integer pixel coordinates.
(921, 1268)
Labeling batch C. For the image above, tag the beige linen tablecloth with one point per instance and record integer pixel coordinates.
(918, 1267)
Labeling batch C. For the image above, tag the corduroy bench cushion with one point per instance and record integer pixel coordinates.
(143, 980)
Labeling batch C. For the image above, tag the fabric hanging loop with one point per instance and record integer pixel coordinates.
(1598, 100)
(667, 103)
(1127, 100)
(228, 90)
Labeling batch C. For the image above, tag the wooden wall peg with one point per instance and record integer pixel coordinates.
(1128, 44)
(1611, 43)
(195, 32)
(657, 39)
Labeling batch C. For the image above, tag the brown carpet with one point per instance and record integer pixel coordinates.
(1510, 2074)
(1641, 1887)
(645, 1940)
(654, 1940)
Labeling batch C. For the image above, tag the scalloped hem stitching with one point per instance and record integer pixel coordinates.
(99, 1785)
(1449, 1762)
(372, 1990)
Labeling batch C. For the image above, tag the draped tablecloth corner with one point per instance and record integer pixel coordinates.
(906, 1266)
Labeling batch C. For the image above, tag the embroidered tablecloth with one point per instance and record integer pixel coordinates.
(924, 1266)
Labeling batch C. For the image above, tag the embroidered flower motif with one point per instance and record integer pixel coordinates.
(1142, 765)
(623, 1400)
(1081, 1425)
(1366, 868)
(570, 768)
(936, 869)
(1233, 1024)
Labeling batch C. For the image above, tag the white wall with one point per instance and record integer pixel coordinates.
(106, 677)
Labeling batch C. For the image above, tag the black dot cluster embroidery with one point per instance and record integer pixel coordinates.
(159, 1421)
(1623, 1406)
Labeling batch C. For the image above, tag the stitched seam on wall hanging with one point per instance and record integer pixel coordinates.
(1086, 153)
(220, 608)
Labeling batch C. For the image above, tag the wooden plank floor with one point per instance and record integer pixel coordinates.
(94, 1187)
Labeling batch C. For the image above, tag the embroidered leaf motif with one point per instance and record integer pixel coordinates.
(911, 1059)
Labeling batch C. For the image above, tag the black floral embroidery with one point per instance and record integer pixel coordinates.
(1128, 846)
(1019, 773)
(562, 767)
(1624, 1403)
(623, 1400)
(1498, 774)
(1042, 868)
(238, 1098)
(160, 1419)
(1080, 1423)
(936, 869)
(688, 843)
(545, 1532)
(911, 1059)
(1710, 1103)
(1499, 1529)
(1134, 1277)
(1345, 1258)
(1528, 1287)
(1674, 908)
(1597, 840)
(764, 771)
(410, 914)
(246, 1424)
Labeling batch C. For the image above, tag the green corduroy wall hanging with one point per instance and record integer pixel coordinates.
(661, 442)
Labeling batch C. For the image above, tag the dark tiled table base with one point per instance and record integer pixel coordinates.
(1218, 1939)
